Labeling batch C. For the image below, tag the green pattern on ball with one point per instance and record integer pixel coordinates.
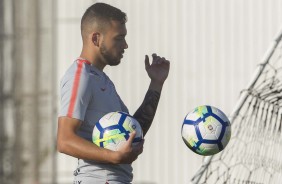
(111, 136)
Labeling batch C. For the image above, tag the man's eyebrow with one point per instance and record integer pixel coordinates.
(121, 35)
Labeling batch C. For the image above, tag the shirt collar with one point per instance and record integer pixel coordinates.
(96, 70)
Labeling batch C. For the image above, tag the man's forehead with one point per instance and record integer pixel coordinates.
(119, 27)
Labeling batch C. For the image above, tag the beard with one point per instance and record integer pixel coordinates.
(109, 58)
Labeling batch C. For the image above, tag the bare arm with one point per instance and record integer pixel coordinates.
(70, 143)
(158, 72)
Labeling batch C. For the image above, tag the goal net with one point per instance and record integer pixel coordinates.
(254, 153)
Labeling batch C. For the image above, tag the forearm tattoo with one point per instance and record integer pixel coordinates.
(146, 112)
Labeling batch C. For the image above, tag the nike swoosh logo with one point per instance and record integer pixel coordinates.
(93, 72)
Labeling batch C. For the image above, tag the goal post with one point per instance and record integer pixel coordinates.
(256, 130)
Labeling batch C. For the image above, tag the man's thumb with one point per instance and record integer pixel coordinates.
(131, 137)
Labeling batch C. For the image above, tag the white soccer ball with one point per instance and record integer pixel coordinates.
(206, 130)
(114, 128)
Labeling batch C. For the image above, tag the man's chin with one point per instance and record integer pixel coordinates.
(114, 63)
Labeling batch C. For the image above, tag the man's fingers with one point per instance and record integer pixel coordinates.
(140, 147)
(131, 137)
(155, 58)
(167, 61)
(147, 63)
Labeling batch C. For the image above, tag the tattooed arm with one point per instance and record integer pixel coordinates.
(146, 112)
(158, 72)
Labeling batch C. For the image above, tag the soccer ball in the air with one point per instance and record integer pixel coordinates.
(206, 130)
(114, 128)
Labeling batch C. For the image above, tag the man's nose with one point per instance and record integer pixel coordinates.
(125, 45)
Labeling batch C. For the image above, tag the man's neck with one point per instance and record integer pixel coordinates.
(93, 60)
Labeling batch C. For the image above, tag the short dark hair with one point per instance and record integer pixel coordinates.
(100, 14)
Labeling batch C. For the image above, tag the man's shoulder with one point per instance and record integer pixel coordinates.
(79, 69)
(81, 74)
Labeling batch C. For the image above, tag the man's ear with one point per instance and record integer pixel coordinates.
(96, 39)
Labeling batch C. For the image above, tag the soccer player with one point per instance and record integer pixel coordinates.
(87, 94)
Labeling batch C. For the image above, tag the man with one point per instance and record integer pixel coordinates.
(87, 94)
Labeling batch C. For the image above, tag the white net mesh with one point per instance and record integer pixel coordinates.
(253, 155)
